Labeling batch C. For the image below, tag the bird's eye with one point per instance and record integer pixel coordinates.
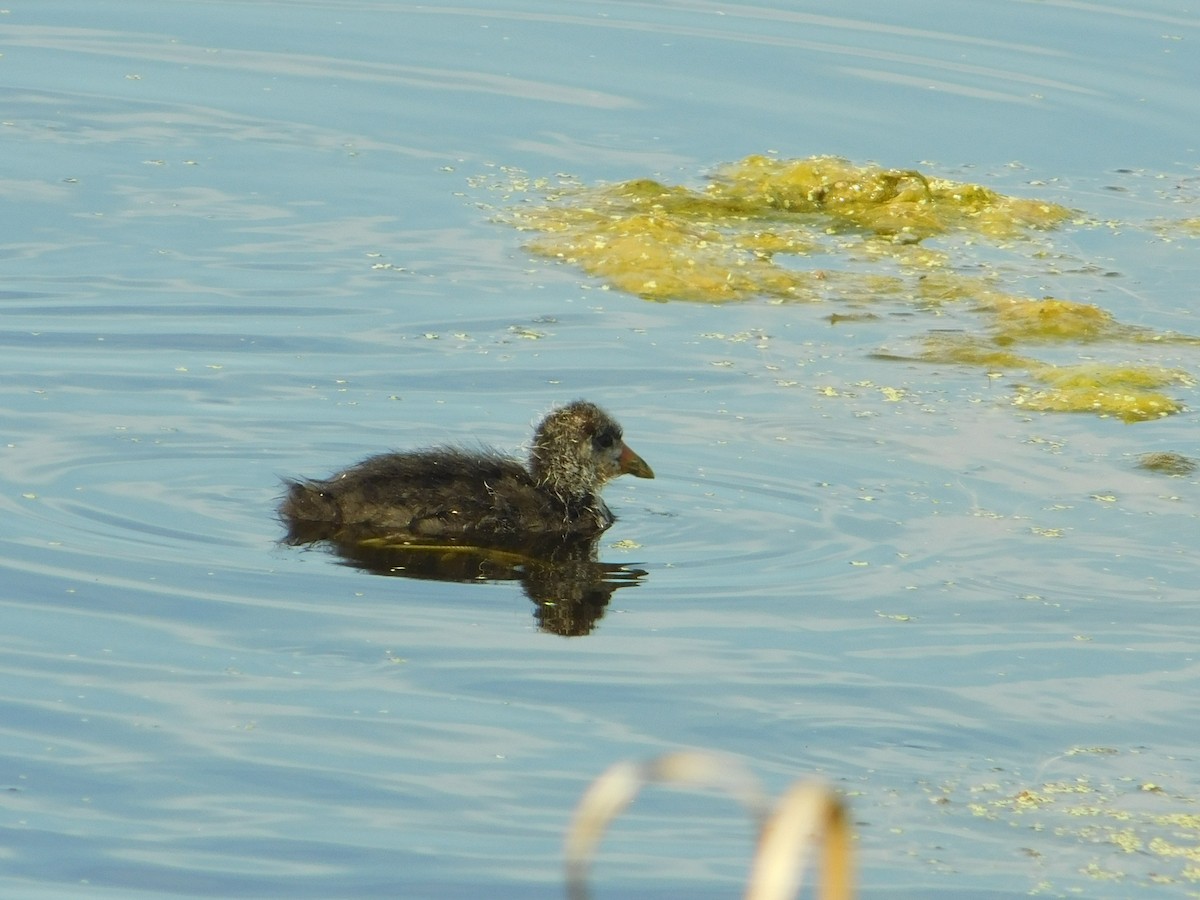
(605, 439)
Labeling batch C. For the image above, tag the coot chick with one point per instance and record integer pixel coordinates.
(450, 494)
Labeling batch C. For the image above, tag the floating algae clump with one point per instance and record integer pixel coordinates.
(720, 243)
(1124, 392)
(1049, 320)
(1121, 391)
(1167, 463)
(965, 349)
(1021, 319)
(881, 201)
(1173, 229)
(662, 257)
(738, 238)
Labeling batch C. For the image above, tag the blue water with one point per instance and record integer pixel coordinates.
(243, 240)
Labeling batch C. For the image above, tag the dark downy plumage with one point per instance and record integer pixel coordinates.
(449, 494)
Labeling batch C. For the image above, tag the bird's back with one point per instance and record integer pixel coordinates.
(442, 493)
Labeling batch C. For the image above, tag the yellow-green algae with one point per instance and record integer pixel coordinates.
(1127, 392)
(891, 202)
(723, 242)
(1017, 319)
(1124, 392)
(1189, 227)
(1105, 390)
(1167, 463)
(717, 244)
(1123, 819)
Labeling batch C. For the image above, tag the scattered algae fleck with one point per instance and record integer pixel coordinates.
(1123, 830)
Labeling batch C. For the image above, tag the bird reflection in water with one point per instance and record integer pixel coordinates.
(569, 587)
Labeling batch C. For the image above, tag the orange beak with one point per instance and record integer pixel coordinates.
(632, 464)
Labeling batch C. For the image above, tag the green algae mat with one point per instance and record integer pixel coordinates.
(823, 229)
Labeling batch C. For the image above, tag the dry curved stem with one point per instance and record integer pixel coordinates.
(616, 788)
(807, 812)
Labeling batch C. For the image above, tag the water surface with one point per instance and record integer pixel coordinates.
(247, 240)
